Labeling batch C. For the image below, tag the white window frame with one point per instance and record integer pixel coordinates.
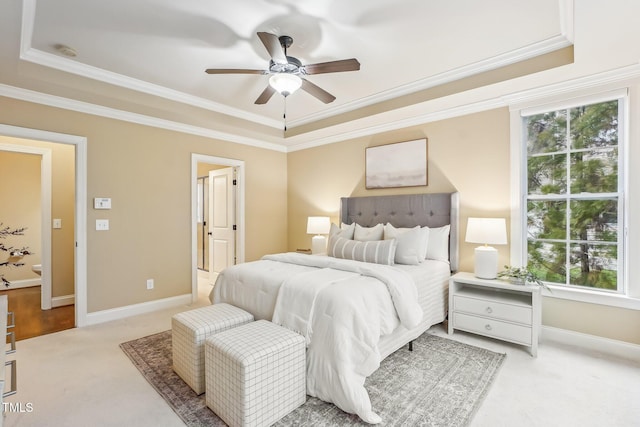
(630, 296)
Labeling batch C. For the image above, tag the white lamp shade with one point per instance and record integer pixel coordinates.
(487, 231)
(318, 225)
(285, 83)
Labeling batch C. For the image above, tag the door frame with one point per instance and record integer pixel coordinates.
(240, 214)
(80, 267)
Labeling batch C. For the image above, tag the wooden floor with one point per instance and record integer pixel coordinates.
(31, 321)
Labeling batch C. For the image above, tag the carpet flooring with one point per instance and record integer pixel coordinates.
(441, 383)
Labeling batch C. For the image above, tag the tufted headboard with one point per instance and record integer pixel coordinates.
(432, 210)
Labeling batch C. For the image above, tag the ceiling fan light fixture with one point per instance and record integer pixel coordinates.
(284, 83)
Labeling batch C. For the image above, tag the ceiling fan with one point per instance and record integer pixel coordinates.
(287, 72)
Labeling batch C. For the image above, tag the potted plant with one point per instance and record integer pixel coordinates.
(521, 276)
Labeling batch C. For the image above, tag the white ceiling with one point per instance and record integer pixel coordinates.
(150, 55)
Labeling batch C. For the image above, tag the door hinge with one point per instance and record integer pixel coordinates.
(234, 227)
(235, 182)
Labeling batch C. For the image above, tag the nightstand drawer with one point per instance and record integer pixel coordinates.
(493, 309)
(492, 328)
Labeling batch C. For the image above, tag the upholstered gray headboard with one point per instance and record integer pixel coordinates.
(432, 210)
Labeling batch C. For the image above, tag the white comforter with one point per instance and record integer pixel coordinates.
(342, 308)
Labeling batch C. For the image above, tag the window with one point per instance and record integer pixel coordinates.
(574, 195)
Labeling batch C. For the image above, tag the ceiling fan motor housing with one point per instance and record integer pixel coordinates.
(292, 66)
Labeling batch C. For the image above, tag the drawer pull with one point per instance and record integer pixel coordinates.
(11, 323)
(14, 378)
(12, 339)
(487, 327)
(489, 310)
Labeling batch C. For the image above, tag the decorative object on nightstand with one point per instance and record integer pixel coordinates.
(521, 276)
(496, 309)
(487, 231)
(318, 225)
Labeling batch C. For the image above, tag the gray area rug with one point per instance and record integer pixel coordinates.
(441, 383)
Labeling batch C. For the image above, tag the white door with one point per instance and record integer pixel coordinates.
(222, 214)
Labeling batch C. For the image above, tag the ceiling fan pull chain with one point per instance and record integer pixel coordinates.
(284, 116)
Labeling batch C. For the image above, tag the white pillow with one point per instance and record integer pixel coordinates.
(411, 243)
(344, 230)
(415, 242)
(366, 234)
(380, 252)
(438, 247)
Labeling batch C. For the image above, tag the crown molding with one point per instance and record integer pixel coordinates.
(515, 101)
(398, 124)
(36, 56)
(70, 66)
(573, 87)
(112, 113)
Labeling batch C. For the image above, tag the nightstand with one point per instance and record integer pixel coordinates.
(496, 309)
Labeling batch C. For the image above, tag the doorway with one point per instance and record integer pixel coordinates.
(216, 242)
(40, 179)
(80, 228)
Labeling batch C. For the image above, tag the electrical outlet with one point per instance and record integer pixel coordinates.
(149, 283)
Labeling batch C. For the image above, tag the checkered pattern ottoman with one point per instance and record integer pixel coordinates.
(255, 374)
(189, 330)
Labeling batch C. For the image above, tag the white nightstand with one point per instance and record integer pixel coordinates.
(495, 308)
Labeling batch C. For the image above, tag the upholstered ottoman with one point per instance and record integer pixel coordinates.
(189, 330)
(255, 374)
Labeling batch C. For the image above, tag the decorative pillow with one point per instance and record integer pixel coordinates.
(344, 230)
(438, 247)
(367, 234)
(412, 243)
(380, 252)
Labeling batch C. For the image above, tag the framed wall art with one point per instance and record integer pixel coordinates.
(402, 164)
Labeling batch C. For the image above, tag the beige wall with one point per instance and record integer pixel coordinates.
(20, 207)
(468, 154)
(462, 154)
(147, 172)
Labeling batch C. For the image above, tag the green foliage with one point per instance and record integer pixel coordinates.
(523, 275)
(573, 239)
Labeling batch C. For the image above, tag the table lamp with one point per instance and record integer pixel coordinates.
(487, 231)
(318, 225)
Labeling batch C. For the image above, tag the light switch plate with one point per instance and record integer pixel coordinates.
(102, 203)
(57, 223)
(102, 224)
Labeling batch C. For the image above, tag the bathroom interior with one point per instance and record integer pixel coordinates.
(39, 183)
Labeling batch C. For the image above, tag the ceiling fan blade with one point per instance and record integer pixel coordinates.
(272, 43)
(317, 91)
(266, 95)
(233, 71)
(333, 66)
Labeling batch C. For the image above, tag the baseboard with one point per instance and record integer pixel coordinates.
(591, 342)
(27, 283)
(135, 309)
(63, 300)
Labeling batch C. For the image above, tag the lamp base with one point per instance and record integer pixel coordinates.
(486, 262)
(318, 245)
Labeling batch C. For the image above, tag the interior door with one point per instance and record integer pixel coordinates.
(222, 214)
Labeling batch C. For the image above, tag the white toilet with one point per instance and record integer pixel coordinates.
(37, 268)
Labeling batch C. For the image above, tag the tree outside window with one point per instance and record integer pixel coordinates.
(573, 196)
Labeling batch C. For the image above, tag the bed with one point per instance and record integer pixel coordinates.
(354, 314)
